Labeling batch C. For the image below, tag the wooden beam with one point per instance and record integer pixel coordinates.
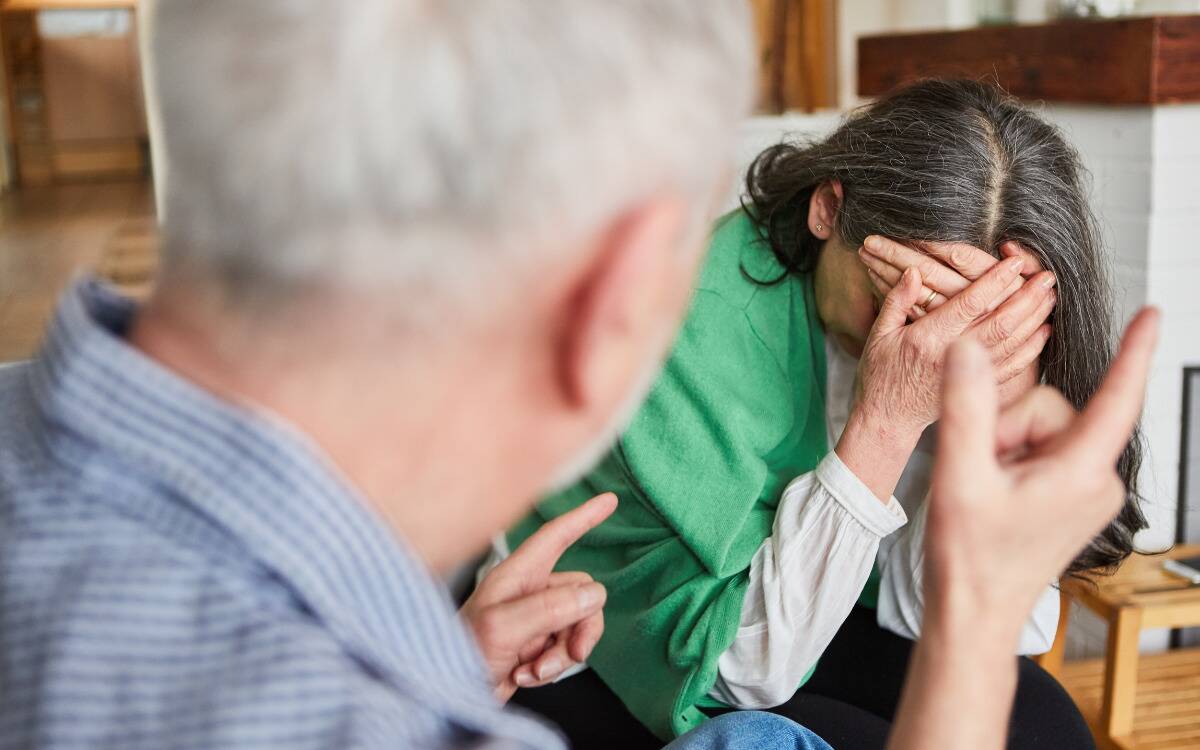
(1150, 60)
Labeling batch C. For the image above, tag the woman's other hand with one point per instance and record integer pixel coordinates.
(531, 623)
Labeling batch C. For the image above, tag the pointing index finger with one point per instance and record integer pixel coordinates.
(540, 552)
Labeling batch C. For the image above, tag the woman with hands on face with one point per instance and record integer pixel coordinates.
(767, 551)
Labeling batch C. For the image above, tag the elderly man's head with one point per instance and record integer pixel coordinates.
(441, 218)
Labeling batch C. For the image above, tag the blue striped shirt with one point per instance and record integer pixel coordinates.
(177, 571)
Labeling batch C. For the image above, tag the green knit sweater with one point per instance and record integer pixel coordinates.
(737, 413)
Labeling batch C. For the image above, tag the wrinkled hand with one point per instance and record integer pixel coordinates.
(900, 372)
(1017, 494)
(947, 269)
(531, 623)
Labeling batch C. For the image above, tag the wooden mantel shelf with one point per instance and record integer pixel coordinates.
(1147, 60)
(35, 5)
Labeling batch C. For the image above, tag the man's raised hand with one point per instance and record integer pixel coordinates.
(1017, 494)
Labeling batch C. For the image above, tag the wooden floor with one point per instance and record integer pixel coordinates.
(1167, 711)
(49, 234)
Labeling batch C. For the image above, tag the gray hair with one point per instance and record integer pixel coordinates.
(424, 147)
(954, 160)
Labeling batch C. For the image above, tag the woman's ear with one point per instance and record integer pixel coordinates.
(823, 208)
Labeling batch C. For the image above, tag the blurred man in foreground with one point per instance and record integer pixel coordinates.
(419, 261)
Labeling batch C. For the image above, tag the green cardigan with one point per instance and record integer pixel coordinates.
(737, 413)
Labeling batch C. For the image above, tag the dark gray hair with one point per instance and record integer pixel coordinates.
(956, 160)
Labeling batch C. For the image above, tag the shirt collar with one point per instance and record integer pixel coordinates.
(266, 486)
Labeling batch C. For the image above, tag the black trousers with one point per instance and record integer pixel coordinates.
(849, 701)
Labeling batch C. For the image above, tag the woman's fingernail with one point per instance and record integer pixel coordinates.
(524, 679)
(590, 595)
(1015, 264)
(549, 668)
(1049, 280)
(871, 243)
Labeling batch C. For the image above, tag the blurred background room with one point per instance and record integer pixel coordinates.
(1122, 77)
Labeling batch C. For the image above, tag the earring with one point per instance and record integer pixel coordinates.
(820, 228)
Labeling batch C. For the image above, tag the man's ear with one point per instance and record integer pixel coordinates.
(823, 208)
(626, 301)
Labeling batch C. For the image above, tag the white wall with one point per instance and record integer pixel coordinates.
(1139, 158)
(867, 17)
(1143, 161)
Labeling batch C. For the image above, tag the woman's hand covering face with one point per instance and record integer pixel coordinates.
(900, 371)
(946, 268)
(1013, 328)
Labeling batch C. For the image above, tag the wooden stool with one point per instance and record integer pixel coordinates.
(1132, 701)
